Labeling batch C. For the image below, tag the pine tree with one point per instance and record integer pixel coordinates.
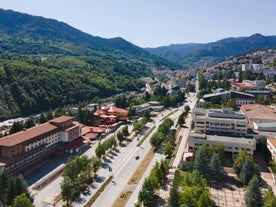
(253, 195)
(201, 160)
(215, 167)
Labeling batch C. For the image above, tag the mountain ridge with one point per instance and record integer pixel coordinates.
(214, 52)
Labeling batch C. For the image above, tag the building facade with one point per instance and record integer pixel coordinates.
(221, 126)
(223, 121)
(24, 148)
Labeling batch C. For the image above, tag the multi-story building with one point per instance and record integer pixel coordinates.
(231, 144)
(221, 126)
(236, 97)
(24, 148)
(223, 121)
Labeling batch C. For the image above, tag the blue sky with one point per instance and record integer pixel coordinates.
(152, 23)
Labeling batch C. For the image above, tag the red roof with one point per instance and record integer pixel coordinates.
(26, 135)
(97, 129)
(116, 109)
(90, 136)
(61, 119)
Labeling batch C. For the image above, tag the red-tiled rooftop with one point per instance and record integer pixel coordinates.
(89, 136)
(61, 119)
(27, 134)
(97, 129)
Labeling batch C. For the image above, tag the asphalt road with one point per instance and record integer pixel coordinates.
(123, 164)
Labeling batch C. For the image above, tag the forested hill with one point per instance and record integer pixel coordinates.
(46, 64)
(195, 55)
(29, 34)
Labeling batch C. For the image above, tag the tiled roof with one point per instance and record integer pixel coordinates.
(258, 112)
(26, 135)
(61, 119)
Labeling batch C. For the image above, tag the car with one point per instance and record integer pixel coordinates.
(86, 192)
(137, 157)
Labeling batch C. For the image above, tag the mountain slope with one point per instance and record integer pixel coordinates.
(174, 52)
(45, 64)
(211, 53)
(36, 35)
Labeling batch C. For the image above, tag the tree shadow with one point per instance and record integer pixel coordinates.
(99, 179)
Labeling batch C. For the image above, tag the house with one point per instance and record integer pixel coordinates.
(109, 115)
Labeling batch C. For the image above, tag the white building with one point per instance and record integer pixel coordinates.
(224, 121)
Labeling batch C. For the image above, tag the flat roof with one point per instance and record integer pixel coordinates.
(223, 139)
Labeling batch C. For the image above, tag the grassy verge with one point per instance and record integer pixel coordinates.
(168, 115)
(136, 177)
(145, 137)
(98, 193)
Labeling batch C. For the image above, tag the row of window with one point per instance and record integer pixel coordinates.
(26, 158)
(47, 140)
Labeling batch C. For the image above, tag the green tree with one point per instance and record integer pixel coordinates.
(247, 171)
(125, 131)
(215, 168)
(147, 114)
(16, 127)
(174, 196)
(50, 115)
(157, 139)
(253, 195)
(66, 189)
(146, 193)
(187, 109)
(30, 122)
(22, 201)
(269, 199)
(238, 163)
(42, 118)
(181, 120)
(201, 160)
(168, 149)
(120, 137)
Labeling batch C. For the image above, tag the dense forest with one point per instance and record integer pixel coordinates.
(45, 64)
(31, 85)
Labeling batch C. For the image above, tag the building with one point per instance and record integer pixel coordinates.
(219, 121)
(27, 147)
(255, 68)
(231, 144)
(236, 97)
(240, 98)
(221, 126)
(109, 115)
(258, 113)
(151, 105)
(269, 73)
(222, 97)
(266, 94)
(271, 146)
